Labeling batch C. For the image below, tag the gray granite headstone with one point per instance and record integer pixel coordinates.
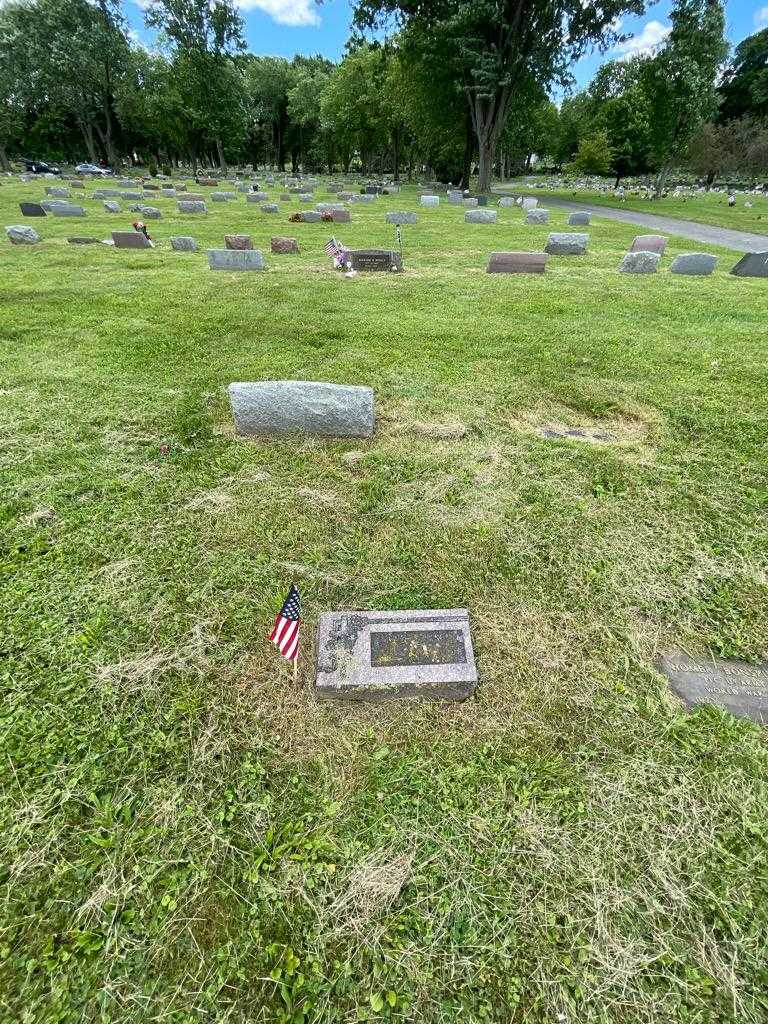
(470, 203)
(111, 206)
(183, 243)
(131, 240)
(311, 217)
(302, 407)
(56, 192)
(536, 216)
(752, 264)
(400, 217)
(236, 259)
(269, 208)
(640, 263)
(567, 243)
(31, 210)
(455, 198)
(430, 200)
(151, 212)
(378, 655)
(507, 201)
(694, 264)
(22, 234)
(579, 219)
(67, 210)
(191, 206)
(238, 242)
(131, 196)
(736, 686)
(529, 203)
(480, 216)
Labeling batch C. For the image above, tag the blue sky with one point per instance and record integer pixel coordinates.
(286, 27)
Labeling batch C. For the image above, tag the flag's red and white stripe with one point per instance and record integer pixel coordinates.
(285, 632)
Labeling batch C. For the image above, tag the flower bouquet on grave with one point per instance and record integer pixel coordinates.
(295, 218)
(326, 217)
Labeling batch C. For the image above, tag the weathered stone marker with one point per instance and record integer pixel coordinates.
(340, 216)
(567, 243)
(239, 242)
(82, 240)
(480, 217)
(67, 210)
(694, 264)
(183, 243)
(131, 240)
(111, 206)
(752, 264)
(400, 217)
(236, 259)
(517, 263)
(377, 655)
(191, 206)
(537, 216)
(640, 263)
(430, 200)
(302, 407)
(649, 243)
(21, 234)
(736, 686)
(284, 246)
(579, 219)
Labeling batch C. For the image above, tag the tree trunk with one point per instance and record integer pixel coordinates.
(489, 114)
(87, 130)
(661, 180)
(469, 149)
(193, 155)
(396, 153)
(4, 164)
(222, 158)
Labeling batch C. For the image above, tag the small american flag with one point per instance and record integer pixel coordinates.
(332, 248)
(285, 632)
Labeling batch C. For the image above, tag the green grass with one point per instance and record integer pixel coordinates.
(186, 836)
(708, 208)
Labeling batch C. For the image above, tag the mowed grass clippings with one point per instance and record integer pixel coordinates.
(189, 837)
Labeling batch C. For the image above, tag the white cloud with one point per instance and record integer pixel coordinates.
(760, 17)
(285, 12)
(645, 42)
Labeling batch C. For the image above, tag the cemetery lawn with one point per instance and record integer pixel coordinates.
(187, 836)
(703, 209)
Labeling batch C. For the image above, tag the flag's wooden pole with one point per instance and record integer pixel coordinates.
(296, 668)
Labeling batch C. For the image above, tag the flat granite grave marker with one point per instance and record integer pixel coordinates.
(111, 206)
(517, 263)
(649, 243)
(378, 655)
(736, 686)
(131, 240)
(752, 264)
(269, 208)
(302, 407)
(83, 240)
(236, 259)
(374, 260)
(31, 210)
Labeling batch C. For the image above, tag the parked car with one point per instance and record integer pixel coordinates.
(40, 166)
(92, 169)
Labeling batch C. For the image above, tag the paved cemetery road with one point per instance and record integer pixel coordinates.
(741, 241)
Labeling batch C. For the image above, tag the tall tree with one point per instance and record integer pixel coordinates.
(622, 110)
(204, 35)
(744, 88)
(680, 80)
(73, 53)
(497, 47)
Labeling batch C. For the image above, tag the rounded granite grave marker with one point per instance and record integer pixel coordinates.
(302, 407)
